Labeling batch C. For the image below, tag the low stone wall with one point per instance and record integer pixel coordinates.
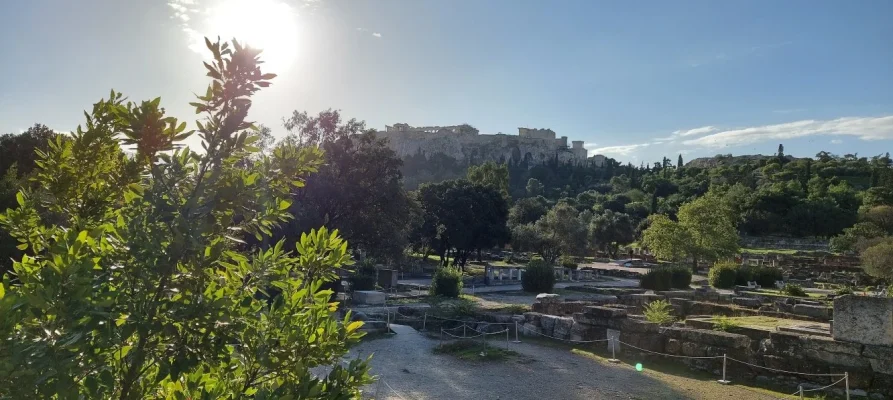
(870, 366)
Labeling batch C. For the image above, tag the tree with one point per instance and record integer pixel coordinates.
(705, 231)
(461, 217)
(851, 237)
(534, 187)
(562, 228)
(527, 237)
(780, 154)
(881, 216)
(492, 175)
(527, 210)
(679, 162)
(19, 150)
(611, 230)
(133, 285)
(878, 260)
(358, 189)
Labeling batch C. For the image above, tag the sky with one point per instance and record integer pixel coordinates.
(636, 80)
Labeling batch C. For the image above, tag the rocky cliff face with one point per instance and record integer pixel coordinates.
(475, 149)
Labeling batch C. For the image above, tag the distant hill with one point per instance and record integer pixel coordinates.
(728, 159)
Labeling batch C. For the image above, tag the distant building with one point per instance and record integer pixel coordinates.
(465, 144)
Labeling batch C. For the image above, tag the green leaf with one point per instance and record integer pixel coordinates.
(20, 198)
(2, 291)
(23, 246)
(284, 204)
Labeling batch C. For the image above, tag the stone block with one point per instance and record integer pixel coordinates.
(715, 338)
(562, 329)
(547, 323)
(583, 332)
(533, 318)
(530, 330)
(880, 357)
(548, 298)
(830, 345)
(820, 312)
(844, 360)
(747, 302)
(673, 346)
(691, 349)
(369, 297)
(862, 319)
(639, 326)
(604, 312)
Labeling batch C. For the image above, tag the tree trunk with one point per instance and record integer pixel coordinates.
(694, 264)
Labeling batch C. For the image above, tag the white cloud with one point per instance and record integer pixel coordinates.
(692, 132)
(621, 150)
(376, 34)
(836, 141)
(865, 128)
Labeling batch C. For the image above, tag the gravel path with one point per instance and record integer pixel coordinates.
(407, 364)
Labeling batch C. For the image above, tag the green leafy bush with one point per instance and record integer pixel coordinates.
(791, 289)
(447, 282)
(843, 290)
(136, 280)
(659, 311)
(745, 274)
(767, 276)
(538, 277)
(680, 277)
(723, 323)
(723, 275)
(568, 262)
(657, 279)
(362, 282)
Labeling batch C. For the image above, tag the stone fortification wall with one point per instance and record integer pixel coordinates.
(475, 149)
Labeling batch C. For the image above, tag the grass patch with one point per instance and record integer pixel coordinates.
(774, 293)
(758, 322)
(474, 351)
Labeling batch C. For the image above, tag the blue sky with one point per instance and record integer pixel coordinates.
(637, 80)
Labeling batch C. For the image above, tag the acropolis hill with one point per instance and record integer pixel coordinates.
(467, 146)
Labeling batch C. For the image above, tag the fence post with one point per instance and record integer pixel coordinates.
(846, 380)
(613, 358)
(723, 380)
(388, 311)
(424, 322)
(801, 391)
(463, 330)
(507, 336)
(516, 333)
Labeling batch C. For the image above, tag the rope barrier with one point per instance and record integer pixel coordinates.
(783, 371)
(472, 337)
(392, 389)
(566, 340)
(664, 354)
(824, 387)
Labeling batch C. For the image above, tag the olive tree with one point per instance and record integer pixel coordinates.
(133, 284)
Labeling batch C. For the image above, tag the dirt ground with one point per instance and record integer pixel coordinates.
(409, 370)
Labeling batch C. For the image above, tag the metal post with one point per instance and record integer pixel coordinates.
(516, 333)
(801, 392)
(388, 311)
(723, 380)
(613, 358)
(507, 336)
(846, 380)
(424, 322)
(463, 330)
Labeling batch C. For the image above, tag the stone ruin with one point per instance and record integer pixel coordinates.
(861, 342)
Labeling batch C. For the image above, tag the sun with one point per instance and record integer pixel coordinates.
(270, 25)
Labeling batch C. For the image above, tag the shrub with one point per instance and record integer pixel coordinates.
(362, 282)
(745, 274)
(659, 311)
(680, 277)
(539, 277)
(568, 262)
(657, 279)
(723, 323)
(767, 276)
(791, 289)
(137, 281)
(844, 290)
(447, 282)
(723, 275)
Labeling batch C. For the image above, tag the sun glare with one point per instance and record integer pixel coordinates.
(266, 24)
